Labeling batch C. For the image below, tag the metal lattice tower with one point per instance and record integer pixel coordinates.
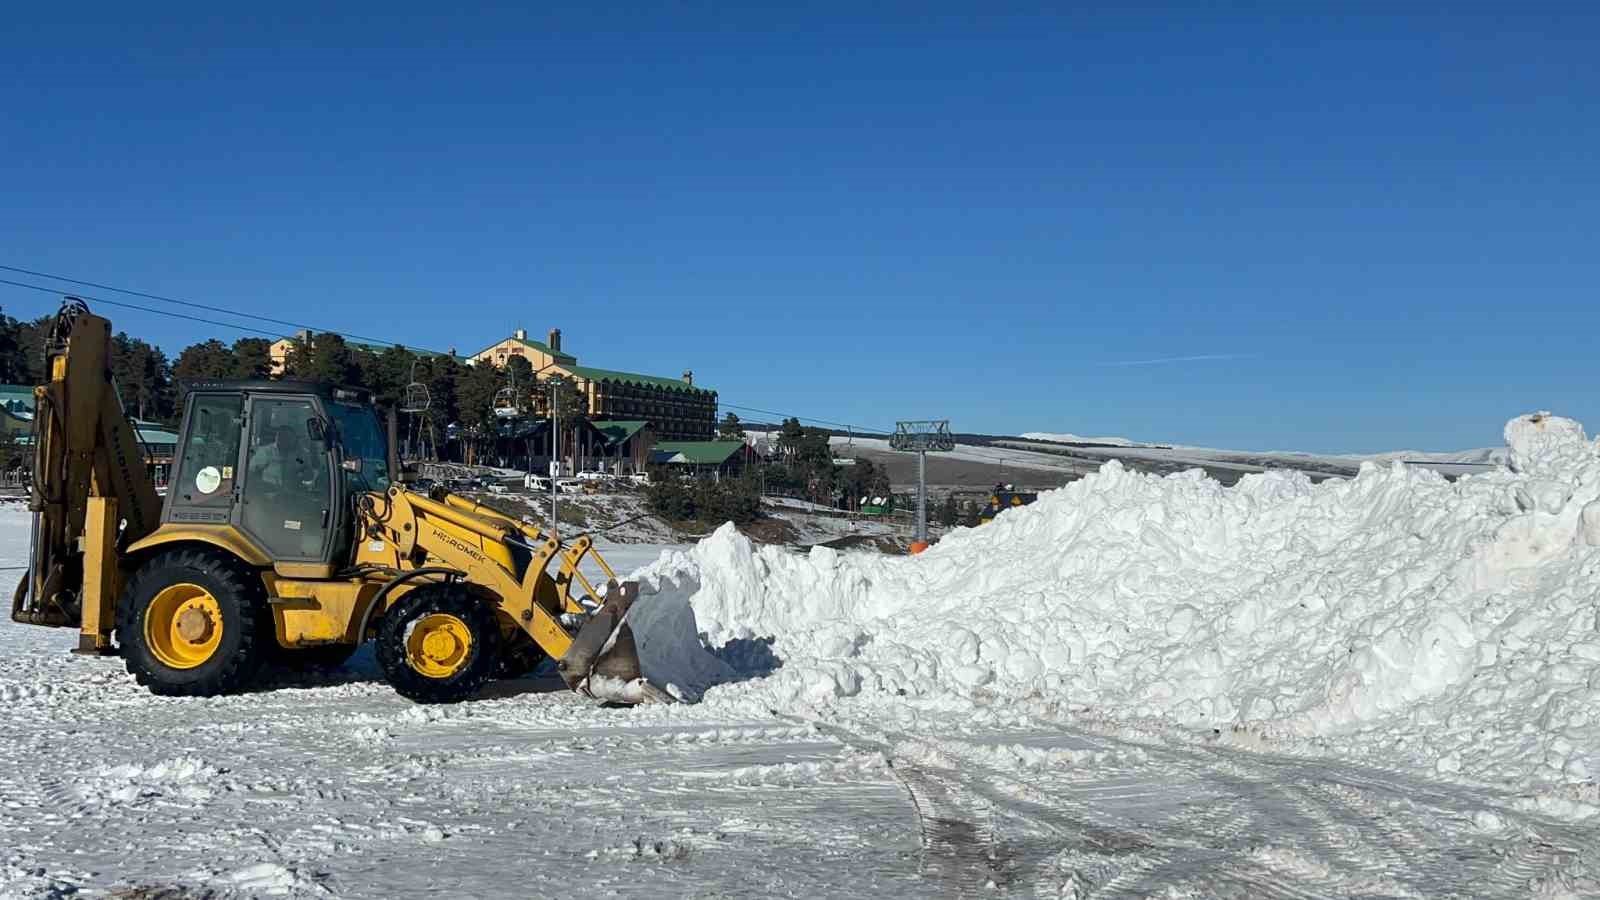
(929, 435)
(922, 437)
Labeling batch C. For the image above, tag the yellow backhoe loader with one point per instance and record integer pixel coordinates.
(288, 534)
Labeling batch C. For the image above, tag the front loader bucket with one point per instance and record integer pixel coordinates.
(603, 661)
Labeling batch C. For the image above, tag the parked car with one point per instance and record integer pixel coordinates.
(592, 476)
(641, 479)
(569, 486)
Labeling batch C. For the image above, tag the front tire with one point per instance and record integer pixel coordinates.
(438, 644)
(192, 625)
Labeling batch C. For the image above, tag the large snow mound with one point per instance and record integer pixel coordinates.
(1396, 613)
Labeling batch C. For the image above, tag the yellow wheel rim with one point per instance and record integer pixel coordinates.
(439, 645)
(183, 625)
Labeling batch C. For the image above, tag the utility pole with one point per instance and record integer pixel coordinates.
(922, 496)
(555, 451)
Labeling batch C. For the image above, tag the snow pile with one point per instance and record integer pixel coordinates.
(1451, 624)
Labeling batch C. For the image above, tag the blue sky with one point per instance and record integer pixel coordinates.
(1377, 230)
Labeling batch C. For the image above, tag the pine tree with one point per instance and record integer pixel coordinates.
(789, 437)
(205, 360)
(143, 377)
(475, 390)
(325, 357)
(385, 374)
(441, 374)
(13, 359)
(731, 429)
(252, 358)
(30, 341)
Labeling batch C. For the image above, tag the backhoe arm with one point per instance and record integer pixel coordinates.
(91, 495)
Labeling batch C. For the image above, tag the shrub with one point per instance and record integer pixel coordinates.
(711, 502)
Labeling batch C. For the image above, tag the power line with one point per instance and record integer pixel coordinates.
(190, 303)
(865, 430)
(177, 315)
(159, 312)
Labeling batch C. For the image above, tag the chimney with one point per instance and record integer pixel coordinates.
(521, 334)
(688, 377)
(555, 339)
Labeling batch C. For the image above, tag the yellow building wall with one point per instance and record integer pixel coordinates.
(499, 353)
(278, 353)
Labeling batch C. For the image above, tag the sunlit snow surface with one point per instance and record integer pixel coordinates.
(889, 754)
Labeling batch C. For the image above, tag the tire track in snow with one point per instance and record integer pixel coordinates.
(1397, 834)
(1428, 831)
(1253, 825)
(960, 816)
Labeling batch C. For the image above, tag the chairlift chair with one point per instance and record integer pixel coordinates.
(417, 398)
(415, 403)
(507, 402)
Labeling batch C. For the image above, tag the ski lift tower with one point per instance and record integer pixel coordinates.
(924, 437)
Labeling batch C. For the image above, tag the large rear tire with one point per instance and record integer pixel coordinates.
(438, 644)
(193, 624)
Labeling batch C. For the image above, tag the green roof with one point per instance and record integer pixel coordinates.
(151, 433)
(618, 431)
(697, 452)
(557, 355)
(560, 356)
(379, 348)
(676, 384)
(17, 394)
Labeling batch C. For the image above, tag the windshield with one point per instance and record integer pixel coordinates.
(361, 438)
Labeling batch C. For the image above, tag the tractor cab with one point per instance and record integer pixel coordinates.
(280, 461)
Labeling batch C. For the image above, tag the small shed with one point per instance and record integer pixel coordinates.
(159, 445)
(17, 399)
(713, 458)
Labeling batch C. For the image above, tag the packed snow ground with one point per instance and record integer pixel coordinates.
(1138, 686)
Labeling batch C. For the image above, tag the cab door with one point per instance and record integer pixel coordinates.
(287, 489)
(206, 465)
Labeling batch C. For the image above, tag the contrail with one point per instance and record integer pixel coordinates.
(1203, 357)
